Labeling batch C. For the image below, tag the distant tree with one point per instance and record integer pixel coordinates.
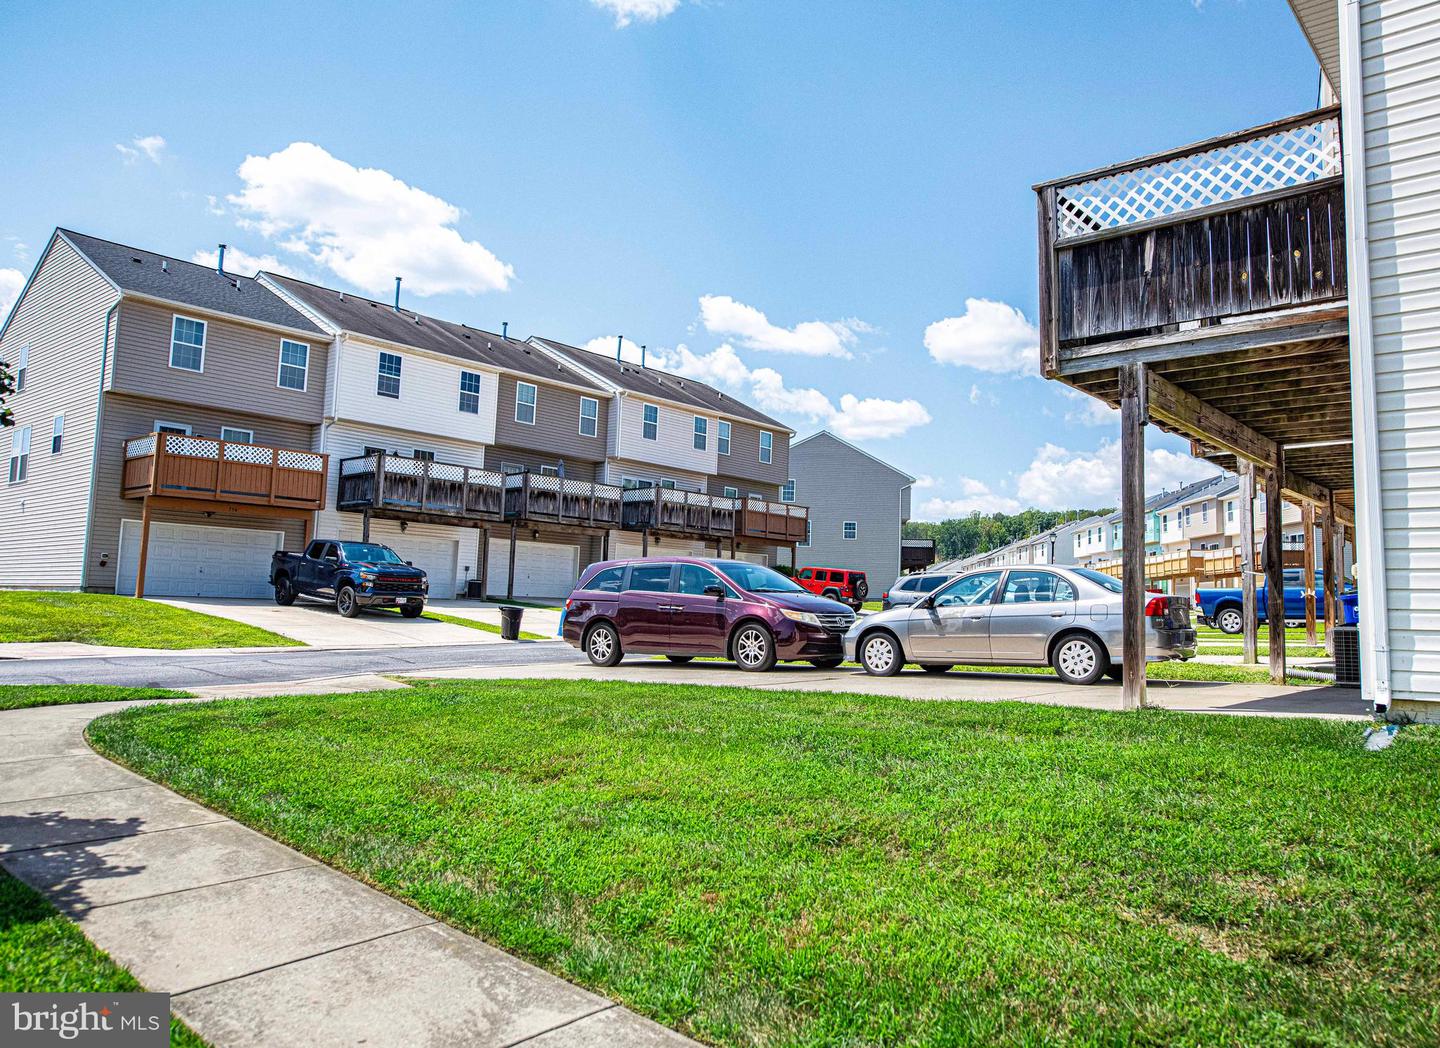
(7, 387)
(980, 532)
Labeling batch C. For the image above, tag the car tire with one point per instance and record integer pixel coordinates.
(413, 610)
(831, 594)
(881, 655)
(1079, 659)
(931, 667)
(602, 645)
(862, 590)
(680, 660)
(827, 664)
(1230, 620)
(347, 603)
(284, 592)
(753, 648)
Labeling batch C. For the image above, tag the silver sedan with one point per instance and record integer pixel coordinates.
(1066, 618)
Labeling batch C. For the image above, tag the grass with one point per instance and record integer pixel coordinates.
(1299, 651)
(477, 624)
(768, 868)
(32, 616)
(23, 696)
(872, 605)
(42, 952)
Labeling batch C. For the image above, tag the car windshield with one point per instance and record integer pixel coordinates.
(1103, 581)
(757, 578)
(369, 553)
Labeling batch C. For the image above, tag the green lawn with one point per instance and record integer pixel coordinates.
(22, 696)
(42, 952)
(784, 868)
(98, 618)
(476, 624)
(1298, 651)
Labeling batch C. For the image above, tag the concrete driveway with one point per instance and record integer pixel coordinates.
(319, 626)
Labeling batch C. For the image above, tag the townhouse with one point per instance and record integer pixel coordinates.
(198, 420)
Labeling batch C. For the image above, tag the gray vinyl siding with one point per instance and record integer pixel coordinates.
(744, 458)
(556, 431)
(1400, 52)
(127, 416)
(838, 483)
(575, 469)
(43, 520)
(241, 365)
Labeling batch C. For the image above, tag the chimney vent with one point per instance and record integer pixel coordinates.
(504, 329)
(397, 294)
(220, 261)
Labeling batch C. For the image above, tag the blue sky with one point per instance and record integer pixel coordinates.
(777, 195)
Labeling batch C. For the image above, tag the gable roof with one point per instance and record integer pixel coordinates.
(859, 451)
(184, 283)
(364, 316)
(647, 380)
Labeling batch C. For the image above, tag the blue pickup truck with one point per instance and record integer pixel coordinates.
(351, 575)
(1221, 608)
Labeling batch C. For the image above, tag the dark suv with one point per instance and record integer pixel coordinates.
(684, 607)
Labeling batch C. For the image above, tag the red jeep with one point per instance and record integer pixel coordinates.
(848, 587)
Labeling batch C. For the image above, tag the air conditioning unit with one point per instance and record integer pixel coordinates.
(1347, 655)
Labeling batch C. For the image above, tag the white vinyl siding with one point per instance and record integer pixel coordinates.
(187, 343)
(662, 435)
(426, 397)
(294, 365)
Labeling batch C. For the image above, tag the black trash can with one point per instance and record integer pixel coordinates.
(510, 623)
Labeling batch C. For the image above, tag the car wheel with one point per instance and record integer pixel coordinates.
(881, 656)
(862, 590)
(679, 660)
(1079, 659)
(831, 594)
(932, 668)
(413, 610)
(602, 645)
(827, 664)
(754, 648)
(1230, 621)
(346, 603)
(284, 592)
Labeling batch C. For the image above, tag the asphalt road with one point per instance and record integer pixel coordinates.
(180, 670)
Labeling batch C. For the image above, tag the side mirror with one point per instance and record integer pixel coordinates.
(715, 591)
(409, 563)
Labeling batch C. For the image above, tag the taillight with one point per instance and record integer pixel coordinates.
(569, 601)
(885, 595)
(1157, 607)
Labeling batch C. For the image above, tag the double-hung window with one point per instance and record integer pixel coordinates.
(850, 530)
(233, 435)
(650, 422)
(187, 344)
(294, 365)
(19, 454)
(1204, 513)
(387, 378)
(22, 368)
(589, 417)
(732, 492)
(470, 392)
(1230, 512)
(787, 491)
(767, 445)
(1187, 516)
(807, 534)
(57, 434)
(525, 399)
(722, 438)
(702, 432)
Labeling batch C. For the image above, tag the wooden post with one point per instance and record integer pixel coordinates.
(510, 581)
(1307, 518)
(144, 549)
(644, 542)
(1275, 567)
(307, 523)
(605, 545)
(365, 525)
(1132, 509)
(1249, 613)
(482, 558)
(1332, 574)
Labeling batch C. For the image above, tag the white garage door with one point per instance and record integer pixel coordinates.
(435, 557)
(542, 569)
(753, 558)
(625, 544)
(189, 560)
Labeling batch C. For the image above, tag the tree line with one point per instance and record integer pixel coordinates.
(982, 532)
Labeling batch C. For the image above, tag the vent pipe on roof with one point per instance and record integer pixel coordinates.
(220, 261)
(164, 265)
(619, 345)
(397, 294)
(504, 329)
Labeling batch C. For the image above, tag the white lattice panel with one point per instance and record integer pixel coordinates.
(248, 453)
(1279, 160)
(306, 460)
(191, 447)
(140, 447)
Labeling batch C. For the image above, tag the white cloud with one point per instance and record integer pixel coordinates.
(975, 497)
(627, 11)
(363, 224)
(874, 419)
(1088, 410)
(723, 316)
(1058, 478)
(242, 263)
(19, 248)
(989, 336)
(11, 281)
(924, 481)
(149, 147)
(213, 205)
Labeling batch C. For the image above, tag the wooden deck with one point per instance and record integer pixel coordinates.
(440, 491)
(203, 469)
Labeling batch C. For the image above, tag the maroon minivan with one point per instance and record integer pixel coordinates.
(682, 607)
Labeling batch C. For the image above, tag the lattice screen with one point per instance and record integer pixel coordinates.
(140, 447)
(306, 460)
(1279, 160)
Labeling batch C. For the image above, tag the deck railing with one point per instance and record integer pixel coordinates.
(1244, 223)
(777, 521)
(420, 486)
(177, 465)
(687, 512)
(542, 497)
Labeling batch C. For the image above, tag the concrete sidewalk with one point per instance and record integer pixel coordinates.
(258, 944)
(320, 626)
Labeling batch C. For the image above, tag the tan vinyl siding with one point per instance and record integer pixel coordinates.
(575, 469)
(127, 416)
(618, 469)
(241, 365)
(43, 520)
(717, 486)
(1400, 49)
(744, 458)
(556, 431)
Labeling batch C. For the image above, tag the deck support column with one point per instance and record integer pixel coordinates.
(1133, 416)
(605, 545)
(365, 526)
(1331, 574)
(1249, 613)
(510, 579)
(307, 523)
(644, 542)
(1307, 517)
(482, 556)
(1275, 566)
(144, 549)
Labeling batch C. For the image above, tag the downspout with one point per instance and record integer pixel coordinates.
(1369, 531)
(95, 447)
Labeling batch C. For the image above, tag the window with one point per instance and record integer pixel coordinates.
(525, 399)
(968, 591)
(294, 365)
(161, 426)
(387, 380)
(1204, 513)
(1115, 535)
(373, 451)
(731, 492)
(549, 471)
(722, 438)
(187, 344)
(930, 583)
(651, 578)
(1187, 516)
(511, 467)
(692, 579)
(469, 393)
(22, 367)
(424, 456)
(57, 434)
(787, 492)
(1230, 512)
(1164, 522)
(19, 454)
(1036, 587)
(670, 484)
(807, 575)
(237, 436)
(611, 580)
(850, 530)
(650, 422)
(589, 417)
(807, 534)
(702, 429)
(767, 445)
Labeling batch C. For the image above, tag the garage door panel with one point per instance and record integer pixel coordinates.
(542, 569)
(192, 560)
